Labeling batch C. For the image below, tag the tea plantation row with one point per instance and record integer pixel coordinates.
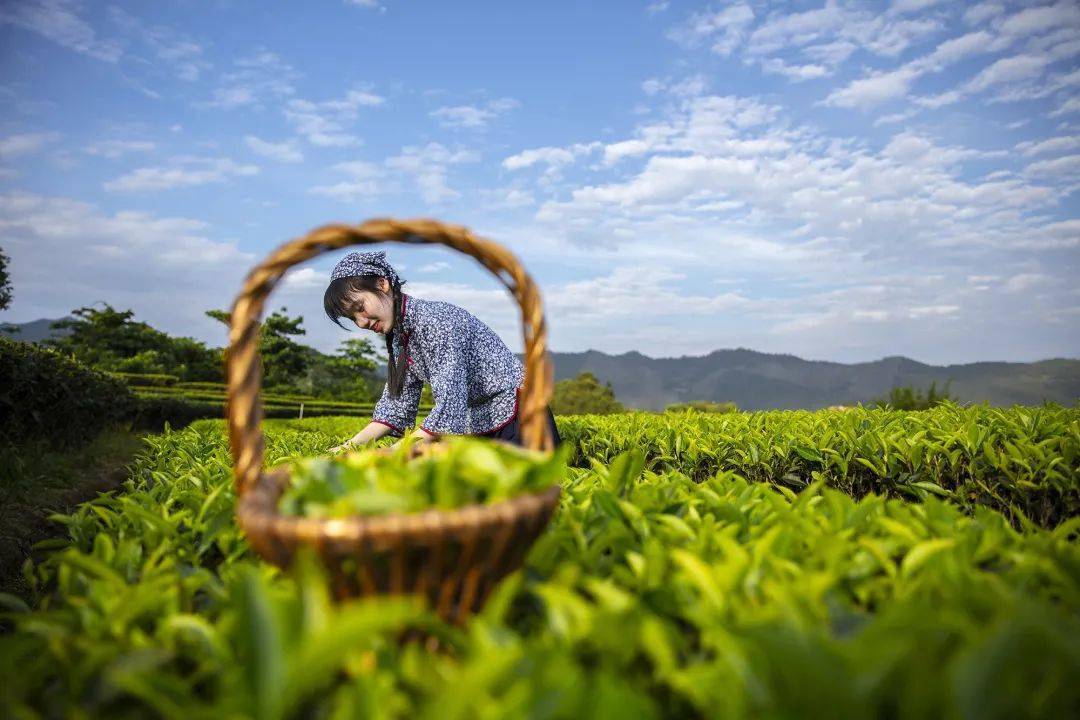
(658, 591)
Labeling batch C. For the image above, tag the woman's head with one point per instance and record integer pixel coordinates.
(366, 300)
(364, 288)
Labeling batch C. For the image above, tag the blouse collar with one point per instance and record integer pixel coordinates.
(407, 317)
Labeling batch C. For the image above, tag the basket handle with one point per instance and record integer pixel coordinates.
(244, 369)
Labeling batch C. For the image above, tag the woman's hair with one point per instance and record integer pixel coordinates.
(338, 302)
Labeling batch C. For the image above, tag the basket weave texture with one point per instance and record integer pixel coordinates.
(454, 557)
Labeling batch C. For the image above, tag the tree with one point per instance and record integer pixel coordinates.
(348, 375)
(111, 339)
(284, 360)
(907, 398)
(103, 338)
(584, 394)
(5, 282)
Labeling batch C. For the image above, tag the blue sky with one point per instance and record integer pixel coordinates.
(839, 181)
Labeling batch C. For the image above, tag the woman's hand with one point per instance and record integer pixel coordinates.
(350, 444)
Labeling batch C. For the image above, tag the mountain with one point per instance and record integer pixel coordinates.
(35, 331)
(759, 381)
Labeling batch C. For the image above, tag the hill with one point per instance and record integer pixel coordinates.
(35, 331)
(758, 381)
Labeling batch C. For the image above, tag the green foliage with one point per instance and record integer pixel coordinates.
(110, 339)
(140, 380)
(465, 471)
(348, 375)
(283, 359)
(703, 406)
(5, 282)
(584, 394)
(46, 395)
(651, 595)
(1023, 461)
(908, 398)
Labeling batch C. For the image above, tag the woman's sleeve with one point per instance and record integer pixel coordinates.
(399, 413)
(449, 381)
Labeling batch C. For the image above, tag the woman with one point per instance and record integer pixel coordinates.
(475, 379)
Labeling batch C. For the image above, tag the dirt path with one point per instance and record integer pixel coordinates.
(51, 482)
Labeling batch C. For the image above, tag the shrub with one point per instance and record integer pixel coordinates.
(909, 398)
(147, 379)
(584, 395)
(703, 406)
(153, 412)
(45, 395)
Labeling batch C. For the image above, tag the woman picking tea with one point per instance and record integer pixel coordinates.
(475, 379)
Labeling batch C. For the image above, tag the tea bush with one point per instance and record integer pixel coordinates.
(654, 593)
(48, 396)
(1023, 461)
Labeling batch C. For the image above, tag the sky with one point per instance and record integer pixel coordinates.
(840, 181)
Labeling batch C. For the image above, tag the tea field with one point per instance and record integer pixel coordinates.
(864, 563)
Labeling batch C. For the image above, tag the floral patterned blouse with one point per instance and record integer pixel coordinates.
(474, 377)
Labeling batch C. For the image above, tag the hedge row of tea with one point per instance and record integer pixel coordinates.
(653, 594)
(1023, 461)
(47, 396)
(208, 399)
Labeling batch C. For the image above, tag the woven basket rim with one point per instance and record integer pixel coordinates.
(259, 507)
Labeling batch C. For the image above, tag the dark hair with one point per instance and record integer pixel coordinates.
(337, 302)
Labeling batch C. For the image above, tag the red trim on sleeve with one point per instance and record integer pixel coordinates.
(513, 415)
(383, 422)
(517, 393)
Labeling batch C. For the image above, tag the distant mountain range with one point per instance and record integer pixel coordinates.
(35, 331)
(760, 381)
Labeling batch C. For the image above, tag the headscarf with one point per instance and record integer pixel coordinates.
(365, 263)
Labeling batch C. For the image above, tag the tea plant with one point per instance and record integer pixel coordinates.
(656, 592)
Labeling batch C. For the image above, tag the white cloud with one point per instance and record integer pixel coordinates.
(58, 21)
(1069, 106)
(1024, 281)
(726, 28)
(873, 90)
(114, 149)
(776, 66)
(182, 171)
(648, 293)
(922, 311)
(472, 116)
(1050, 145)
(183, 55)
(169, 269)
(884, 86)
(434, 267)
(327, 123)
(282, 152)
(1068, 165)
(1034, 20)
(256, 81)
(977, 14)
(721, 168)
(303, 279)
(428, 167)
(26, 143)
(910, 6)
(554, 157)
(363, 182)
(1006, 70)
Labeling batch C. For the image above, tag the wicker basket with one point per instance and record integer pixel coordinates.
(453, 557)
